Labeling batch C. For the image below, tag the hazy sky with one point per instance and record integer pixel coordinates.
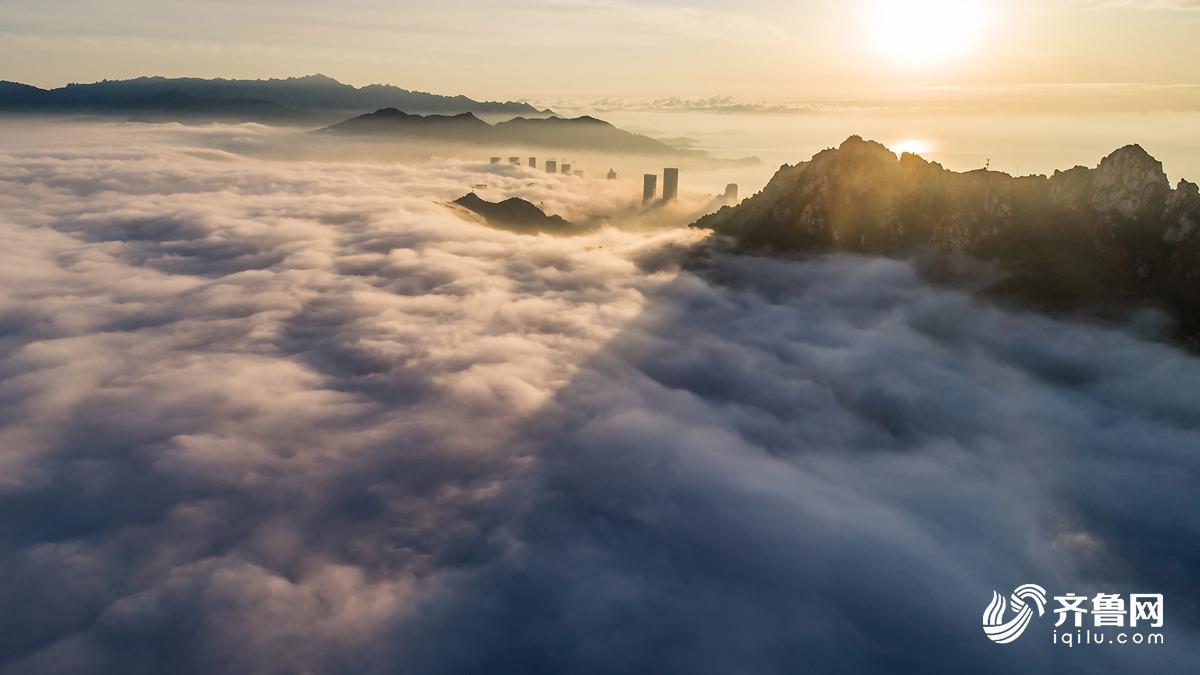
(770, 50)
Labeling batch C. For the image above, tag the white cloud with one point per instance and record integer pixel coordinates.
(266, 416)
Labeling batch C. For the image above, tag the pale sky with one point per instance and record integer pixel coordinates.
(755, 50)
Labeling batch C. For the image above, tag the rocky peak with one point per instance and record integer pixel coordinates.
(1182, 213)
(857, 146)
(855, 157)
(1111, 235)
(1130, 182)
(1072, 189)
(854, 169)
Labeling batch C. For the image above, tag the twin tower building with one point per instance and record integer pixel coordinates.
(670, 186)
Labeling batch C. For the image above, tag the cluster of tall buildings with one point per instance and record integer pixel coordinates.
(552, 166)
(670, 180)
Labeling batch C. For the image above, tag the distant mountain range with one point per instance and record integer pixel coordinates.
(579, 133)
(374, 111)
(1099, 238)
(310, 99)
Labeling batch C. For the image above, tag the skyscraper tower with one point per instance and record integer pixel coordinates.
(649, 187)
(566, 168)
(612, 174)
(514, 160)
(731, 191)
(495, 160)
(670, 184)
(551, 166)
(533, 162)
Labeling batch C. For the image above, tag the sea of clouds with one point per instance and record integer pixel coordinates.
(302, 417)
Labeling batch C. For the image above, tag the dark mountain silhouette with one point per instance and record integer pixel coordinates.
(517, 215)
(1103, 238)
(579, 133)
(314, 97)
(16, 93)
(391, 121)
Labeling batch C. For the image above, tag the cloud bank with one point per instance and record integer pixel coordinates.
(280, 417)
(710, 104)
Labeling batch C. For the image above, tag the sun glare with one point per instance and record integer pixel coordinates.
(917, 33)
(910, 145)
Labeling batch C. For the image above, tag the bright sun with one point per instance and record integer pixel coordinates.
(925, 32)
(915, 146)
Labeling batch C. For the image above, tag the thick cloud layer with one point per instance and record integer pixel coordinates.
(282, 417)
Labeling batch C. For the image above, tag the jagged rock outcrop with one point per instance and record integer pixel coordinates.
(517, 215)
(1103, 238)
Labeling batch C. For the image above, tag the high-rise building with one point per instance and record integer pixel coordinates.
(533, 162)
(514, 160)
(566, 168)
(551, 166)
(495, 160)
(731, 191)
(670, 184)
(612, 174)
(579, 174)
(649, 187)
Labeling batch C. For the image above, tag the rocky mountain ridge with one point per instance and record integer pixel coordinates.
(1113, 236)
(576, 133)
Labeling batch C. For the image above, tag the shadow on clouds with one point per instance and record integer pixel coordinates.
(299, 417)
